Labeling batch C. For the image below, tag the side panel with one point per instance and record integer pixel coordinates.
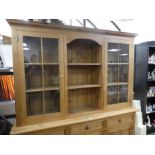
(140, 75)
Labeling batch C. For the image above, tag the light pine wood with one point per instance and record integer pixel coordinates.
(70, 28)
(130, 73)
(117, 83)
(76, 77)
(83, 86)
(71, 121)
(84, 64)
(118, 63)
(57, 131)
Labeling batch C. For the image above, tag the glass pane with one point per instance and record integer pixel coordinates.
(112, 73)
(123, 93)
(50, 50)
(33, 76)
(34, 103)
(51, 76)
(52, 101)
(32, 49)
(124, 53)
(123, 73)
(113, 50)
(113, 95)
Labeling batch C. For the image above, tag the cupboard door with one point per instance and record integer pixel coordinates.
(42, 73)
(118, 72)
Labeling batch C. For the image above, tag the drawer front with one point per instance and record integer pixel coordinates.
(120, 120)
(119, 127)
(100, 131)
(56, 131)
(121, 132)
(87, 126)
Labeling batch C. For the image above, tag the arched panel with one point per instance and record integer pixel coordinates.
(83, 51)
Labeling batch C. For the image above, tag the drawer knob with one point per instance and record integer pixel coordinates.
(87, 128)
(119, 120)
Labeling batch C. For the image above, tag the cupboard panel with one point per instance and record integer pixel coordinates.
(32, 49)
(50, 50)
(33, 76)
(83, 100)
(34, 103)
(52, 101)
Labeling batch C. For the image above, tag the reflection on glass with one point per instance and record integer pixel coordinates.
(34, 103)
(51, 76)
(123, 93)
(113, 50)
(32, 49)
(52, 101)
(112, 73)
(50, 50)
(112, 57)
(33, 76)
(113, 95)
(118, 73)
(123, 73)
(124, 53)
(118, 53)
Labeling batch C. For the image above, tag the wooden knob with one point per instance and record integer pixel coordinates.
(120, 120)
(87, 127)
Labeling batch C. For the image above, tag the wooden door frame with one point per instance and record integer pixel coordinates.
(22, 118)
(122, 40)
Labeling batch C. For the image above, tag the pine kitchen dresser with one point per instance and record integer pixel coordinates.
(72, 80)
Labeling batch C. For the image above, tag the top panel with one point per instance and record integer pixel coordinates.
(69, 28)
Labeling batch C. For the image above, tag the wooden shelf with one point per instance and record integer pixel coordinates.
(84, 64)
(41, 89)
(118, 63)
(83, 86)
(117, 83)
(50, 63)
(32, 63)
(51, 88)
(41, 63)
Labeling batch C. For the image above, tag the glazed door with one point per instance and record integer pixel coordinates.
(119, 73)
(41, 75)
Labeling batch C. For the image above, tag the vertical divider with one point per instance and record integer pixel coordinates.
(105, 73)
(118, 96)
(42, 74)
(101, 68)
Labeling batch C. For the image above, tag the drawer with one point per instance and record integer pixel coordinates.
(56, 131)
(120, 120)
(99, 131)
(121, 132)
(119, 127)
(87, 126)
